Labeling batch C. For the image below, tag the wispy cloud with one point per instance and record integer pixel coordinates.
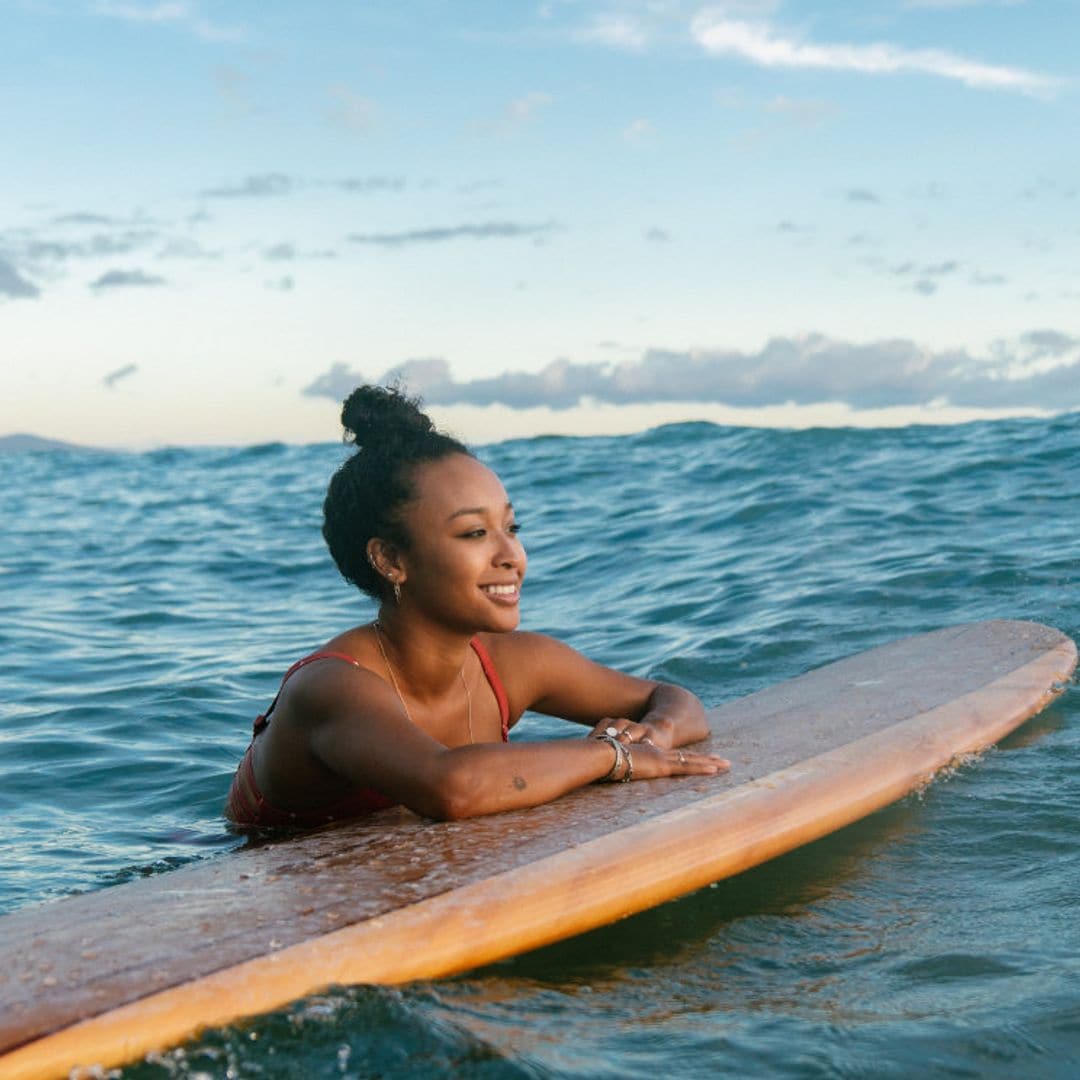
(39, 248)
(258, 186)
(366, 185)
(1040, 369)
(14, 285)
(85, 217)
(616, 30)
(183, 247)
(350, 110)
(287, 251)
(171, 13)
(125, 279)
(120, 373)
(487, 230)
(948, 4)
(761, 43)
(639, 130)
(803, 113)
(523, 109)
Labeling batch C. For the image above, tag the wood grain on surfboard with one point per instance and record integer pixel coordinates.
(103, 977)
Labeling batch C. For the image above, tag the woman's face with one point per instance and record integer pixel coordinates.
(465, 563)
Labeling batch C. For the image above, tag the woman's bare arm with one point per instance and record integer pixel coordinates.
(552, 678)
(358, 729)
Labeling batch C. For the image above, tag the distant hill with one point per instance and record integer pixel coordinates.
(14, 443)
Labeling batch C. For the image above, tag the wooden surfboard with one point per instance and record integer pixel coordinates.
(102, 978)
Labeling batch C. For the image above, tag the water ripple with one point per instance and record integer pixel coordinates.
(149, 603)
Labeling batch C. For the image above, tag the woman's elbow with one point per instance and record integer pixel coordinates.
(451, 796)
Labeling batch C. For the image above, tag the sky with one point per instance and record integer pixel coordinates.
(566, 216)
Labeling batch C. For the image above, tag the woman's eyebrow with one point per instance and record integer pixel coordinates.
(474, 510)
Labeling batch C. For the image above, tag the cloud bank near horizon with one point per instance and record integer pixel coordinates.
(1039, 370)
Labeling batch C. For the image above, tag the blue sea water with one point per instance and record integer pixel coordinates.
(149, 603)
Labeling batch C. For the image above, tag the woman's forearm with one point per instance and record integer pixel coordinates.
(472, 780)
(485, 779)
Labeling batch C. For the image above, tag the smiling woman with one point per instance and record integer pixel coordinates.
(416, 707)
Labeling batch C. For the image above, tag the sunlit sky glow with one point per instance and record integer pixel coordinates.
(564, 216)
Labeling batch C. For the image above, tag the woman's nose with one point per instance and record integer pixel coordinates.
(510, 552)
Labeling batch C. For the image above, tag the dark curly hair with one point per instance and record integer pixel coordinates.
(366, 495)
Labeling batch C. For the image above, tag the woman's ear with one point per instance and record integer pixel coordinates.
(384, 560)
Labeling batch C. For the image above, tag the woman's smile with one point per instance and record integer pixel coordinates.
(503, 594)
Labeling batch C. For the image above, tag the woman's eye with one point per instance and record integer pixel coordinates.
(514, 527)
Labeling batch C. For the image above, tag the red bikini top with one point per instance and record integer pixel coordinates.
(246, 804)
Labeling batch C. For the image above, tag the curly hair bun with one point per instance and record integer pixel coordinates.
(376, 415)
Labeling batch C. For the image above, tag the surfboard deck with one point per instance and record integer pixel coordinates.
(104, 977)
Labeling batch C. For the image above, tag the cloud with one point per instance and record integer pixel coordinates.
(123, 279)
(1041, 369)
(638, 130)
(806, 113)
(14, 285)
(760, 43)
(186, 248)
(487, 230)
(233, 86)
(114, 377)
(618, 31)
(930, 270)
(174, 13)
(350, 110)
(365, 185)
(656, 235)
(522, 110)
(258, 186)
(283, 252)
(927, 277)
(861, 195)
(83, 217)
(99, 246)
(288, 252)
(949, 4)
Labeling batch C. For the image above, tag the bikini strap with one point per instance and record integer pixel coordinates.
(496, 685)
(264, 718)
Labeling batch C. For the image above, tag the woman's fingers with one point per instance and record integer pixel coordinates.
(649, 761)
(686, 762)
(628, 732)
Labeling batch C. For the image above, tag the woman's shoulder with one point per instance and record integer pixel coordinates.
(518, 649)
(341, 666)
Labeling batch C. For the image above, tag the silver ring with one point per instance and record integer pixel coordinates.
(613, 732)
(682, 758)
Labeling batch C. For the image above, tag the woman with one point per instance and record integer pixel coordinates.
(415, 707)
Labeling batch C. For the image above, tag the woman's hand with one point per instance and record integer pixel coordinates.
(651, 753)
(631, 731)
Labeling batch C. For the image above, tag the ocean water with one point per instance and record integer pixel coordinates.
(149, 603)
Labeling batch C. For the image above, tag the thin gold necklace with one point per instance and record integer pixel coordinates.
(379, 632)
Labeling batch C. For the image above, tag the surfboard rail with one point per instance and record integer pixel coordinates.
(636, 864)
